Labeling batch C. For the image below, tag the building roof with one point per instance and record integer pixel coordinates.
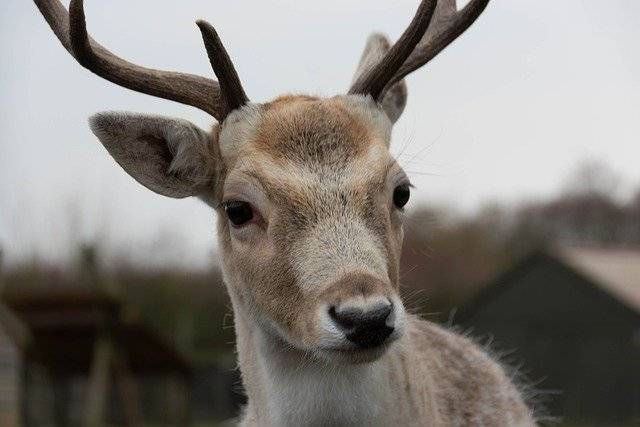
(615, 270)
(63, 326)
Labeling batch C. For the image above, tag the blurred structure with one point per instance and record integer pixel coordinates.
(84, 363)
(127, 345)
(571, 317)
(12, 338)
(448, 256)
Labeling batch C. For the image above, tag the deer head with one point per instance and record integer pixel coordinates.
(309, 200)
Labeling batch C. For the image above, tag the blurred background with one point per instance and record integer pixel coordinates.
(523, 231)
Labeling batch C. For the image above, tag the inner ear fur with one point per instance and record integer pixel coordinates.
(169, 156)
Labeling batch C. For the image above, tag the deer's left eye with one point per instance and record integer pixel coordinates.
(401, 195)
(239, 213)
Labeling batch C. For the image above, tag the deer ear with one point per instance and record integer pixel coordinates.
(395, 98)
(169, 156)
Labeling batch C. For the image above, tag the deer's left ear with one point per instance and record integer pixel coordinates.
(170, 156)
(395, 99)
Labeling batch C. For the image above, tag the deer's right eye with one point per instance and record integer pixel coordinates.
(401, 195)
(239, 213)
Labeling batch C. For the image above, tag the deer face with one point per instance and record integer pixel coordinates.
(310, 222)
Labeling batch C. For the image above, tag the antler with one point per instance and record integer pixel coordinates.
(197, 91)
(442, 27)
(232, 90)
(375, 80)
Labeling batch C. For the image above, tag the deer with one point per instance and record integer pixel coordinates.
(310, 206)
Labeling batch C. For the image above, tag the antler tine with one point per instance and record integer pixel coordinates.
(70, 28)
(447, 25)
(230, 84)
(376, 79)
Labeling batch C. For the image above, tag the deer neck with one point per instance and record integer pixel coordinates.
(288, 387)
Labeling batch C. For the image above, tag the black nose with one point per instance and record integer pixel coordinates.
(365, 328)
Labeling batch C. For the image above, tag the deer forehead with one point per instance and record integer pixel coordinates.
(303, 132)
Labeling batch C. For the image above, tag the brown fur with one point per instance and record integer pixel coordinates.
(337, 136)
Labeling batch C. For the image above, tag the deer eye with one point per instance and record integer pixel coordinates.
(239, 213)
(401, 195)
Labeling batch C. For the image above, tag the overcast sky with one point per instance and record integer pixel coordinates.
(505, 113)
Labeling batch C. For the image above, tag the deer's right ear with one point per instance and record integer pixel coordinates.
(169, 156)
(395, 99)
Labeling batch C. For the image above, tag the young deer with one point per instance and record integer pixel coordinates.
(310, 208)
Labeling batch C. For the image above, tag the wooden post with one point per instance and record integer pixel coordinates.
(25, 382)
(178, 400)
(61, 399)
(128, 391)
(99, 381)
